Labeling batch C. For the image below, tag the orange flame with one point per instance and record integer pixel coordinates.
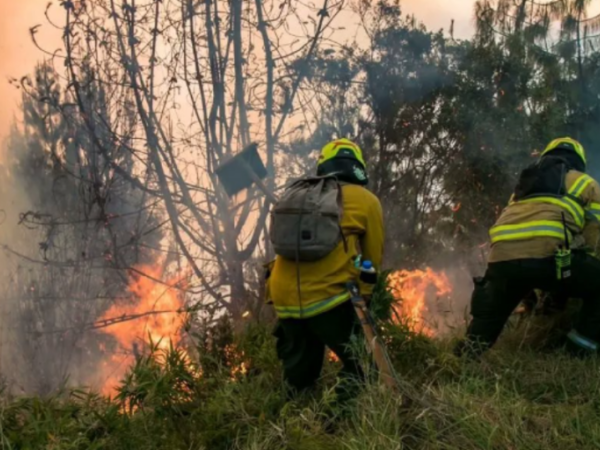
(236, 358)
(155, 313)
(413, 291)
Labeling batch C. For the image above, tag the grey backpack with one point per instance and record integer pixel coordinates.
(305, 222)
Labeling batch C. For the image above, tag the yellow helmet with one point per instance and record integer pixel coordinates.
(342, 148)
(568, 144)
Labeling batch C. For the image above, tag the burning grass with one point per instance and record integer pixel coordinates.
(154, 312)
(513, 399)
(232, 398)
(414, 292)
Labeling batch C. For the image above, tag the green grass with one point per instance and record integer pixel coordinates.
(515, 398)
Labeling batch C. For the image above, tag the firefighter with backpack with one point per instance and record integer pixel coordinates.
(322, 228)
(544, 239)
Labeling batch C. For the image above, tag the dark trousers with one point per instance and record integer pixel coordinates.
(506, 283)
(301, 348)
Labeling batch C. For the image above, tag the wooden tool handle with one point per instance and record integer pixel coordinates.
(386, 371)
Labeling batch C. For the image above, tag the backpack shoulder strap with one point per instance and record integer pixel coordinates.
(340, 201)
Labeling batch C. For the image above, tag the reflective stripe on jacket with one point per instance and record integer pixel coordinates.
(314, 309)
(527, 230)
(534, 228)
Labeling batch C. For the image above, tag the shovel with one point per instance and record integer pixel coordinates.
(374, 341)
(243, 170)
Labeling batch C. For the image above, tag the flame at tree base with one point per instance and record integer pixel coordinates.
(154, 313)
(414, 291)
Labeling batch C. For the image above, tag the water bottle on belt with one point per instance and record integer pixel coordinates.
(368, 274)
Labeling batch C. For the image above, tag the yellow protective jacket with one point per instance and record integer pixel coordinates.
(533, 228)
(322, 283)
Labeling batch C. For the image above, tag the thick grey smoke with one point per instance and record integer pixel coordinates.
(14, 200)
(69, 231)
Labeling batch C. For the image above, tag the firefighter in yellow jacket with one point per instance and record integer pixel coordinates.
(544, 239)
(311, 298)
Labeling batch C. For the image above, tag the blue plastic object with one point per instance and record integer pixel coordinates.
(368, 274)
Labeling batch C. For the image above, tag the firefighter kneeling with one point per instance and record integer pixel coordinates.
(544, 239)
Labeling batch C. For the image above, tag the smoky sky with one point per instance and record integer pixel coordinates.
(18, 55)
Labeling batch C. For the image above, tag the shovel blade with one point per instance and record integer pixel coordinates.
(234, 173)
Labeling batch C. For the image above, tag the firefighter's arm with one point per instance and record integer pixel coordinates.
(591, 231)
(372, 241)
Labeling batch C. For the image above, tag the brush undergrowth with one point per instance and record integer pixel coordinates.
(516, 397)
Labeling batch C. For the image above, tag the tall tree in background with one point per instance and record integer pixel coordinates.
(448, 125)
(521, 85)
(395, 95)
(560, 42)
(89, 225)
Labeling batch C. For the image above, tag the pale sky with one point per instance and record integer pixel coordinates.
(18, 54)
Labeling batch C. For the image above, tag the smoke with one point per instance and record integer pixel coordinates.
(15, 199)
(449, 315)
(18, 56)
(62, 241)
